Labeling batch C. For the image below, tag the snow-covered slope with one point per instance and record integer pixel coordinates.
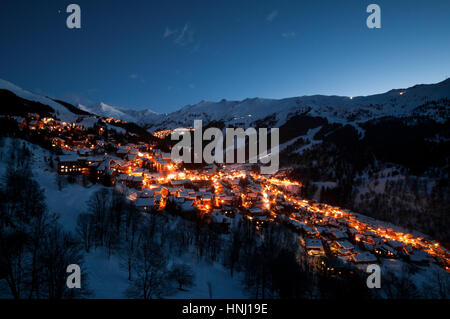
(339, 109)
(61, 111)
(136, 116)
(424, 99)
(106, 277)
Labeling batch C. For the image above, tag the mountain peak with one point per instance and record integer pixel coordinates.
(339, 109)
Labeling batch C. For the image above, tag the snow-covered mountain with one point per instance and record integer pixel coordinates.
(337, 109)
(340, 109)
(424, 99)
(60, 110)
(136, 116)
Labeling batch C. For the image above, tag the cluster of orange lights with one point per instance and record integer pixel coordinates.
(273, 186)
(431, 247)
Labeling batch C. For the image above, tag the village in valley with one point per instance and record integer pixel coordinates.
(107, 151)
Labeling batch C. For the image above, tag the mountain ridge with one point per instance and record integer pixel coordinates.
(337, 109)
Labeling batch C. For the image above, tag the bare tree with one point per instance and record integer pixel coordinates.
(98, 205)
(34, 251)
(400, 286)
(59, 250)
(150, 273)
(85, 229)
(183, 275)
(61, 182)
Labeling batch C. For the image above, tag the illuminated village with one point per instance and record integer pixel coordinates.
(220, 193)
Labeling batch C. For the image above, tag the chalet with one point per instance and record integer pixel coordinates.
(341, 247)
(188, 207)
(253, 196)
(98, 149)
(333, 222)
(223, 199)
(314, 247)
(228, 209)
(142, 147)
(79, 144)
(134, 158)
(228, 199)
(367, 246)
(105, 167)
(166, 156)
(234, 182)
(338, 235)
(146, 193)
(395, 244)
(70, 165)
(94, 160)
(160, 164)
(376, 241)
(180, 182)
(178, 201)
(364, 257)
(345, 259)
(258, 220)
(359, 237)
(56, 141)
(337, 266)
(122, 179)
(304, 228)
(419, 257)
(161, 190)
(205, 197)
(191, 196)
(385, 251)
(145, 204)
(84, 151)
(174, 191)
(256, 211)
(183, 194)
(134, 182)
(297, 215)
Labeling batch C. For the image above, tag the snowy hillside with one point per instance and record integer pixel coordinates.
(424, 99)
(136, 116)
(61, 111)
(337, 109)
(107, 278)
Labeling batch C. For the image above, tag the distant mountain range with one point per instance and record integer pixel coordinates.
(136, 116)
(423, 100)
(337, 109)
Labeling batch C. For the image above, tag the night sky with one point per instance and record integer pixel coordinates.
(163, 55)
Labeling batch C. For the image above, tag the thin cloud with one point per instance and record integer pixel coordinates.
(135, 76)
(272, 15)
(186, 36)
(168, 32)
(182, 36)
(288, 35)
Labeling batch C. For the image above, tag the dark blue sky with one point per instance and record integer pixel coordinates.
(166, 54)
